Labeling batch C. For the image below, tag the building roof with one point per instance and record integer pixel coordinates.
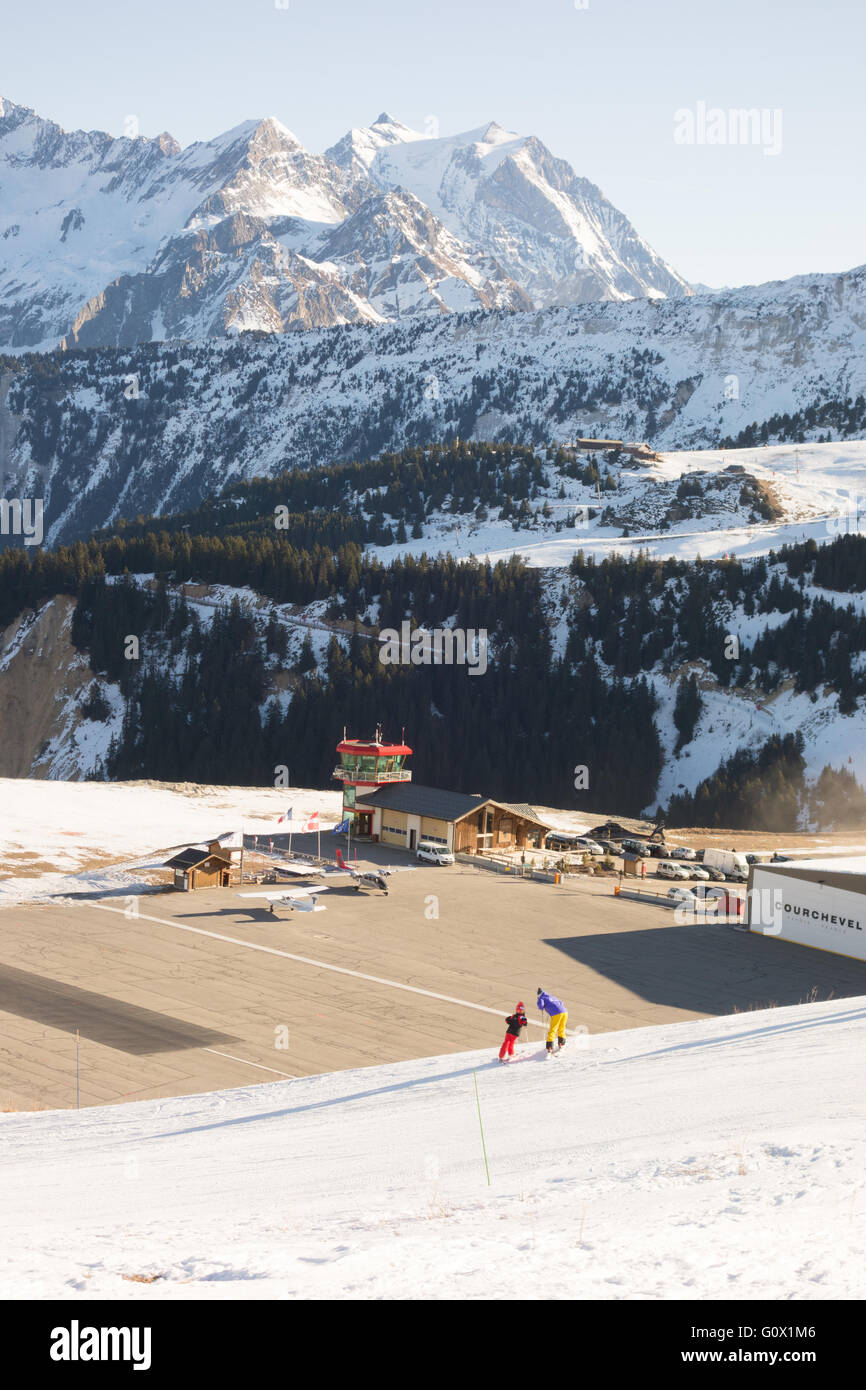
(370, 747)
(192, 858)
(847, 874)
(523, 808)
(439, 804)
(422, 801)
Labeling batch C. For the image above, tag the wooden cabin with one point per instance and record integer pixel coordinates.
(198, 867)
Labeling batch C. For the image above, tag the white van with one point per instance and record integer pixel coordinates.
(433, 854)
(729, 861)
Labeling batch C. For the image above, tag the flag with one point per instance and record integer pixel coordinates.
(287, 815)
(342, 828)
(302, 826)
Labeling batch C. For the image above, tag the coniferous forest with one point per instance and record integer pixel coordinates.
(201, 703)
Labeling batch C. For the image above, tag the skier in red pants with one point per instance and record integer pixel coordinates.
(514, 1023)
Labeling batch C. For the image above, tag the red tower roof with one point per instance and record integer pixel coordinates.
(372, 748)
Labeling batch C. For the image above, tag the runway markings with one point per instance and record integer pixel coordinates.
(317, 964)
(290, 1075)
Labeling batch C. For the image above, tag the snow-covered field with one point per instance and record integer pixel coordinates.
(52, 831)
(820, 487)
(715, 1159)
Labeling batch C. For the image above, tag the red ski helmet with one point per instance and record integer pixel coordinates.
(520, 1005)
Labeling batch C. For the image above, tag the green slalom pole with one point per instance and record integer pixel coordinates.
(481, 1127)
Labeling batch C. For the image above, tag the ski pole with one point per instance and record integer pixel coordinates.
(481, 1127)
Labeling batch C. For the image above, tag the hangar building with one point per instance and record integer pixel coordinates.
(817, 902)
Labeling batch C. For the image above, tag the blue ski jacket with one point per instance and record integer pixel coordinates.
(549, 1004)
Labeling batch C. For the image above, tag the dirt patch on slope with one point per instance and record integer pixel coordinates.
(39, 672)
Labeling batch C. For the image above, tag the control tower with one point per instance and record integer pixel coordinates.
(364, 765)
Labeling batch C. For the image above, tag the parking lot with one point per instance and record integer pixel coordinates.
(204, 990)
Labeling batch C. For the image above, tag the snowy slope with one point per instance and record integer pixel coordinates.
(208, 413)
(820, 490)
(720, 1158)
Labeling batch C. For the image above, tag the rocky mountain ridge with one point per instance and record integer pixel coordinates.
(113, 242)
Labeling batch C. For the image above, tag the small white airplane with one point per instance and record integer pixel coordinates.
(299, 899)
(363, 878)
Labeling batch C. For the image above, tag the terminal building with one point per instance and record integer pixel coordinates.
(381, 801)
(465, 824)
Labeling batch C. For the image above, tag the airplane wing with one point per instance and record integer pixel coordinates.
(285, 894)
(299, 868)
(354, 870)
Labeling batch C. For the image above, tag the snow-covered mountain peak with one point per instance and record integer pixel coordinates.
(495, 134)
(385, 121)
(359, 146)
(11, 112)
(270, 131)
(553, 233)
(167, 143)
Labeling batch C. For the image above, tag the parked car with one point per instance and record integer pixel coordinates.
(588, 846)
(712, 872)
(780, 858)
(609, 846)
(681, 852)
(696, 872)
(636, 847)
(709, 893)
(666, 868)
(688, 897)
(433, 854)
(736, 876)
(657, 850)
(558, 839)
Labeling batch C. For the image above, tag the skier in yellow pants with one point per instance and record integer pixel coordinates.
(549, 1004)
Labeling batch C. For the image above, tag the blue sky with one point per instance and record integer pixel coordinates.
(599, 85)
